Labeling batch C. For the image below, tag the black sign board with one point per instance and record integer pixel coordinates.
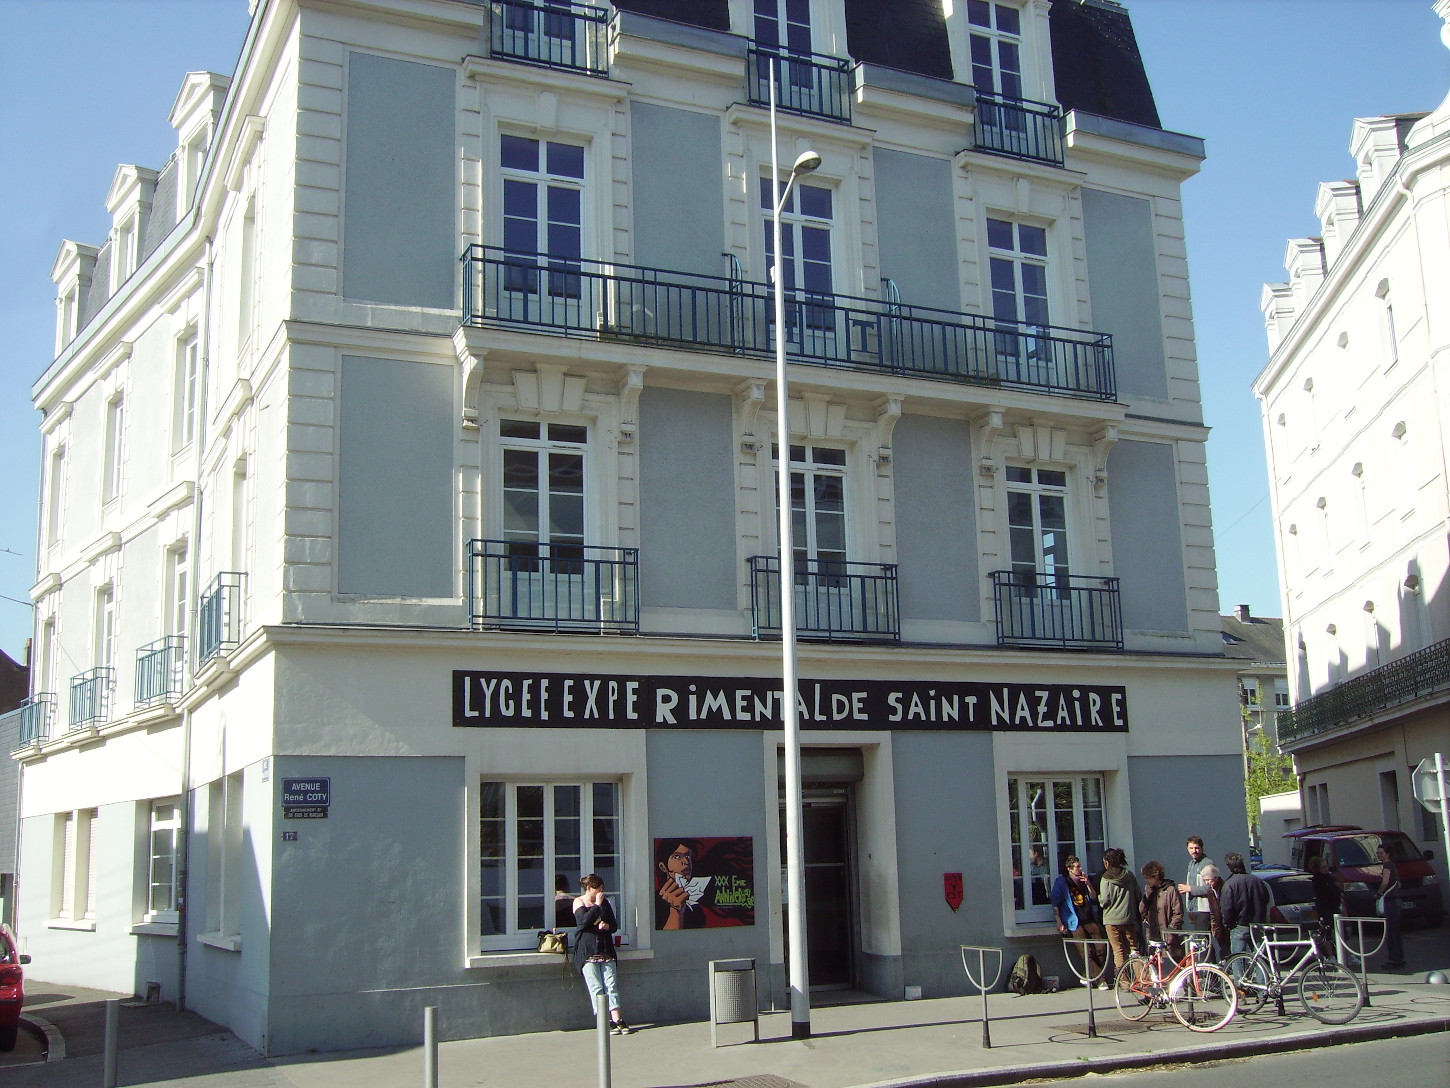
(571, 700)
(306, 798)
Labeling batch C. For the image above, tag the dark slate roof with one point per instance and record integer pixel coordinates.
(14, 683)
(710, 14)
(100, 287)
(1257, 639)
(163, 209)
(909, 35)
(1096, 63)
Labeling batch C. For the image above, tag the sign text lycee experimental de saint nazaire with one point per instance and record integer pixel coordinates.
(576, 700)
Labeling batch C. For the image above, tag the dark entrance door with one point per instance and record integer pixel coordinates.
(830, 887)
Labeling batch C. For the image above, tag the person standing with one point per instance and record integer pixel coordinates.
(1118, 892)
(1328, 900)
(594, 948)
(1161, 909)
(1387, 903)
(1243, 901)
(1075, 904)
(1209, 891)
(1199, 911)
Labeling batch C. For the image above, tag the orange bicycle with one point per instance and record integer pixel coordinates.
(1201, 996)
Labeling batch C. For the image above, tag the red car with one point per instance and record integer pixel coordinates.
(12, 988)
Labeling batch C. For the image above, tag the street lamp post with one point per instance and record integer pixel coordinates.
(800, 999)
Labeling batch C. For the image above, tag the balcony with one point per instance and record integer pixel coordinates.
(1073, 612)
(810, 84)
(1415, 676)
(834, 600)
(553, 587)
(569, 36)
(33, 719)
(667, 308)
(219, 617)
(1019, 129)
(160, 670)
(90, 697)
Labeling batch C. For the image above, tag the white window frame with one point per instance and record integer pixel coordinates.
(176, 602)
(55, 495)
(1019, 839)
(115, 449)
(224, 862)
(1281, 694)
(73, 870)
(543, 448)
(514, 933)
(184, 391)
(103, 646)
(1252, 697)
(1038, 490)
(996, 38)
(807, 545)
(158, 822)
(543, 182)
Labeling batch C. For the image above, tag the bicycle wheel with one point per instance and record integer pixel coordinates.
(1134, 989)
(1252, 979)
(1331, 993)
(1203, 998)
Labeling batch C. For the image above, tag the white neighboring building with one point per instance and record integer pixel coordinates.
(468, 561)
(1355, 425)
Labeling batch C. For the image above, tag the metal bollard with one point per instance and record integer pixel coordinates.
(113, 1032)
(430, 1046)
(601, 1027)
(980, 980)
(1344, 952)
(1088, 976)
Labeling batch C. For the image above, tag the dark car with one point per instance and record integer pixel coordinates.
(1349, 852)
(1292, 895)
(12, 988)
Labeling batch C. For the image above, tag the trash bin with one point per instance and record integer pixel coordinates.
(732, 996)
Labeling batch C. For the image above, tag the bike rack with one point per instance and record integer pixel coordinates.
(1086, 976)
(1343, 949)
(979, 980)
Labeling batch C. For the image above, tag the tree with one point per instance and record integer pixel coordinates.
(1265, 771)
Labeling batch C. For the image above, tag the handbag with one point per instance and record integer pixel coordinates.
(555, 943)
(1379, 903)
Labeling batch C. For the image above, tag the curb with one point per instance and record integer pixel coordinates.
(54, 1040)
(1078, 1067)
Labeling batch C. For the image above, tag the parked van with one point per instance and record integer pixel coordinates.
(1349, 851)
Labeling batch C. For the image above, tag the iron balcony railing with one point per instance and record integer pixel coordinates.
(553, 587)
(575, 297)
(833, 599)
(1423, 673)
(160, 670)
(90, 696)
(1037, 608)
(560, 35)
(812, 84)
(219, 617)
(32, 719)
(1019, 128)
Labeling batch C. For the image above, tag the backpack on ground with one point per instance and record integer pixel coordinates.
(1026, 976)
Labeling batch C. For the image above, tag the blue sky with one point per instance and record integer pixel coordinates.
(1271, 85)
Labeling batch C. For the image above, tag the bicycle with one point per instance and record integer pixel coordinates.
(1201, 996)
(1327, 989)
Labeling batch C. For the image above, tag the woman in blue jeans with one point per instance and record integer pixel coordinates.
(594, 948)
(1388, 894)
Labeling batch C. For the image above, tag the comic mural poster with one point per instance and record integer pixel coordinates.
(704, 883)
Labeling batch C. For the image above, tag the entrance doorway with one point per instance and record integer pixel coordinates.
(828, 825)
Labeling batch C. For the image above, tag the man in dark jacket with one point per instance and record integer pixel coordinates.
(1245, 900)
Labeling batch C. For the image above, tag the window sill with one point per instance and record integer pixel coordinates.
(154, 929)
(1031, 929)
(227, 942)
(86, 925)
(492, 961)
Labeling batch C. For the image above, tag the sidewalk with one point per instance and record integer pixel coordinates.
(916, 1043)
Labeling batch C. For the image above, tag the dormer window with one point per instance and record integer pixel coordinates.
(129, 203)
(996, 39)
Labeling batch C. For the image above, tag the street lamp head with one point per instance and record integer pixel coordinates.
(808, 163)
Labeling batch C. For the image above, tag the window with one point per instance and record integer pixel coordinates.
(165, 831)
(247, 274)
(224, 861)
(543, 208)
(114, 451)
(1388, 337)
(55, 495)
(1018, 266)
(123, 252)
(183, 396)
(73, 875)
(543, 488)
(1281, 695)
(104, 643)
(1316, 807)
(784, 25)
(805, 243)
(996, 42)
(177, 587)
(1037, 525)
(239, 515)
(1251, 693)
(531, 834)
(1050, 817)
(818, 506)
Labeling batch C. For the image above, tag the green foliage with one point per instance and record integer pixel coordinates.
(1265, 771)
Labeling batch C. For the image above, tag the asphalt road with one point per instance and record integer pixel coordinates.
(1422, 1061)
